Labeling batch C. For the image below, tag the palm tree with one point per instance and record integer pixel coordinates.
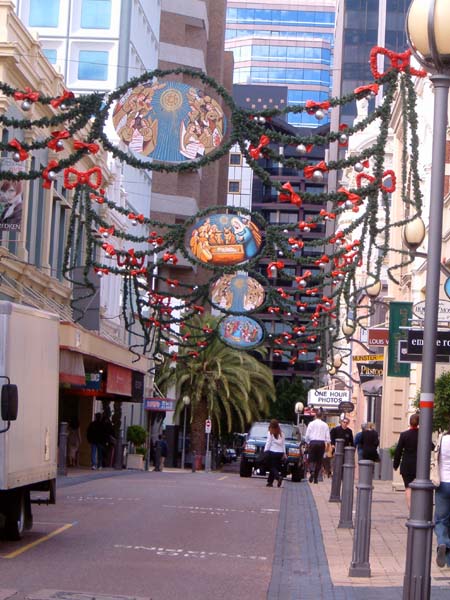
(227, 385)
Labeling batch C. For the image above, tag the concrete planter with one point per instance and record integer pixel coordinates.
(135, 461)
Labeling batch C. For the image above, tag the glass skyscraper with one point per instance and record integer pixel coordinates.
(282, 44)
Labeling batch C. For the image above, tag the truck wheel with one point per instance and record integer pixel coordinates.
(28, 524)
(245, 470)
(15, 518)
(296, 475)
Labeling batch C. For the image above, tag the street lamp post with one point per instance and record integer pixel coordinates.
(428, 31)
(299, 406)
(186, 402)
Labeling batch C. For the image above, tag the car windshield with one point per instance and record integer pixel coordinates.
(259, 430)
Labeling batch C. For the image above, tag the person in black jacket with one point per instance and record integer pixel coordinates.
(405, 455)
(369, 443)
(342, 432)
(96, 436)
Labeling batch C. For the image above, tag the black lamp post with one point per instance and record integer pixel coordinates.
(428, 31)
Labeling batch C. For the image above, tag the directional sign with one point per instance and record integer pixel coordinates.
(368, 357)
(415, 342)
(407, 357)
(208, 426)
(346, 407)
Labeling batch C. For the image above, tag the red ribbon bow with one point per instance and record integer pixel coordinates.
(255, 152)
(57, 136)
(130, 259)
(312, 106)
(108, 230)
(91, 177)
(168, 257)
(28, 94)
(291, 196)
(309, 170)
(47, 184)
(364, 89)
(139, 218)
(56, 102)
(103, 271)
(109, 249)
(23, 154)
(279, 264)
(92, 148)
(399, 61)
(355, 199)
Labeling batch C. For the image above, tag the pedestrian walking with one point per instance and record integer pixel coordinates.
(163, 446)
(357, 440)
(405, 455)
(342, 432)
(442, 502)
(370, 442)
(96, 437)
(317, 436)
(276, 452)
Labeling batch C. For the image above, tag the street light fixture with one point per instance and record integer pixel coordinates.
(414, 233)
(373, 288)
(186, 401)
(348, 328)
(428, 32)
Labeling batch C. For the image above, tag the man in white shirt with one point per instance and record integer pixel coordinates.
(317, 435)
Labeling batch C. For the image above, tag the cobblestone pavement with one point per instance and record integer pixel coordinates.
(313, 555)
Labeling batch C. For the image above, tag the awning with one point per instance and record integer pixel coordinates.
(71, 368)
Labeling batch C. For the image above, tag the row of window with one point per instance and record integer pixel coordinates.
(295, 18)
(231, 34)
(280, 75)
(92, 64)
(95, 14)
(283, 53)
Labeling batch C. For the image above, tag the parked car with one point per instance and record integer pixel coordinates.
(230, 455)
(254, 447)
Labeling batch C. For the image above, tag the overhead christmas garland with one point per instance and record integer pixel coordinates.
(242, 252)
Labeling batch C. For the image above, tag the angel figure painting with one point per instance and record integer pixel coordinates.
(237, 293)
(240, 332)
(224, 239)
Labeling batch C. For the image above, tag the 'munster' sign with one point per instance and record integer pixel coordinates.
(328, 398)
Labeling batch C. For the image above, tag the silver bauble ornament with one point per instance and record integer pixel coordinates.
(134, 222)
(16, 157)
(59, 144)
(261, 120)
(26, 105)
(105, 234)
(348, 204)
(317, 176)
(343, 138)
(52, 175)
(319, 114)
(301, 149)
(63, 106)
(100, 274)
(359, 168)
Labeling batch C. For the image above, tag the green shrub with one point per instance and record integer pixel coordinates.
(392, 450)
(136, 435)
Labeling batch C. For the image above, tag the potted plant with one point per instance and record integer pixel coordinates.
(137, 436)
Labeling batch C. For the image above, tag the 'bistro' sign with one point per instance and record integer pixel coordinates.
(443, 310)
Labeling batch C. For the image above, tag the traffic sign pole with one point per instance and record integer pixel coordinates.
(208, 451)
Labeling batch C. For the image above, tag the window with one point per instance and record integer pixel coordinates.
(234, 187)
(235, 158)
(96, 14)
(44, 13)
(50, 54)
(93, 65)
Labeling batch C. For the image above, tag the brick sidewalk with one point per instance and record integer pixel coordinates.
(313, 556)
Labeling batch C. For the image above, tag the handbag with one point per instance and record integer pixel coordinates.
(434, 464)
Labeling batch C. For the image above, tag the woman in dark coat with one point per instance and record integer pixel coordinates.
(369, 443)
(405, 455)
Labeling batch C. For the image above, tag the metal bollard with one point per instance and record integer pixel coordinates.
(360, 565)
(335, 495)
(62, 449)
(348, 481)
(193, 453)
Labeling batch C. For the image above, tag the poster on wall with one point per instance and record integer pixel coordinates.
(11, 200)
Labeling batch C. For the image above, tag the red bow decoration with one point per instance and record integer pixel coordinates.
(140, 218)
(28, 94)
(296, 244)
(131, 259)
(273, 309)
(109, 230)
(168, 257)
(207, 329)
(322, 261)
(172, 282)
(56, 102)
(282, 293)
(339, 235)
(327, 215)
(364, 89)
(103, 271)
(312, 106)
(306, 225)
(342, 128)
(198, 308)
(399, 61)
(92, 148)
(355, 199)
(97, 198)
(255, 152)
(309, 170)
(391, 188)
(50, 167)
(109, 249)
(289, 195)
(91, 177)
(301, 305)
(279, 264)
(23, 154)
(57, 136)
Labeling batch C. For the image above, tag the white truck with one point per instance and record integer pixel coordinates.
(29, 359)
